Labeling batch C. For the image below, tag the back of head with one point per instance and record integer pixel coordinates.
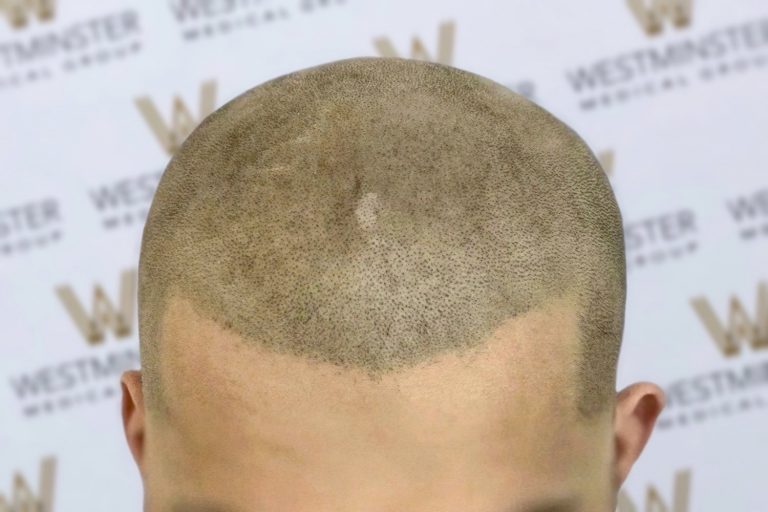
(375, 213)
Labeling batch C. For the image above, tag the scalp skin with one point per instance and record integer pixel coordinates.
(374, 213)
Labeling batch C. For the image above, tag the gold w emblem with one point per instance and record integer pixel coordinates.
(104, 316)
(651, 13)
(445, 44)
(741, 327)
(23, 499)
(183, 121)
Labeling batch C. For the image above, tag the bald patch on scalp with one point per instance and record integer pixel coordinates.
(374, 213)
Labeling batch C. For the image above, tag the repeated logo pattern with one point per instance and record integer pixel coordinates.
(445, 43)
(652, 13)
(171, 134)
(18, 12)
(741, 328)
(24, 498)
(105, 315)
(654, 500)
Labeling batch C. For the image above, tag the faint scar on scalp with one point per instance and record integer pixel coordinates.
(366, 211)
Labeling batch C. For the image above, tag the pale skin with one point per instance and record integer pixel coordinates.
(491, 431)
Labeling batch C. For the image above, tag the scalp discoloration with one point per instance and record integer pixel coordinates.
(366, 211)
(377, 212)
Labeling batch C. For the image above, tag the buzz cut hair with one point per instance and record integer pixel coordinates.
(376, 213)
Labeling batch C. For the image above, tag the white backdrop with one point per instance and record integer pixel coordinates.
(95, 94)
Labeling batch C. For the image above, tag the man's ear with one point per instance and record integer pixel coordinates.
(134, 415)
(637, 407)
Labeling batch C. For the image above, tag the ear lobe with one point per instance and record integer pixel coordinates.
(134, 415)
(637, 408)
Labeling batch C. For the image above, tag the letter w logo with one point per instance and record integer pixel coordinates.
(740, 325)
(171, 135)
(104, 314)
(650, 13)
(654, 501)
(418, 50)
(17, 10)
(22, 497)
(606, 159)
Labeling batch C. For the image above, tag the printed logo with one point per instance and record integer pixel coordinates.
(670, 65)
(742, 328)
(29, 226)
(170, 135)
(125, 202)
(93, 377)
(24, 499)
(679, 501)
(19, 11)
(446, 39)
(750, 213)
(606, 159)
(57, 50)
(204, 19)
(740, 388)
(651, 13)
(661, 238)
(445, 43)
(104, 315)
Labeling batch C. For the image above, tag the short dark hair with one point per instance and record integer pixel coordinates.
(378, 212)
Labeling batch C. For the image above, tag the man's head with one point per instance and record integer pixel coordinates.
(383, 285)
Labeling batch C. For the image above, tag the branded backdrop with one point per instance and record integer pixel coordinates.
(96, 95)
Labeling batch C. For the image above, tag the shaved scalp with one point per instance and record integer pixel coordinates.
(375, 213)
